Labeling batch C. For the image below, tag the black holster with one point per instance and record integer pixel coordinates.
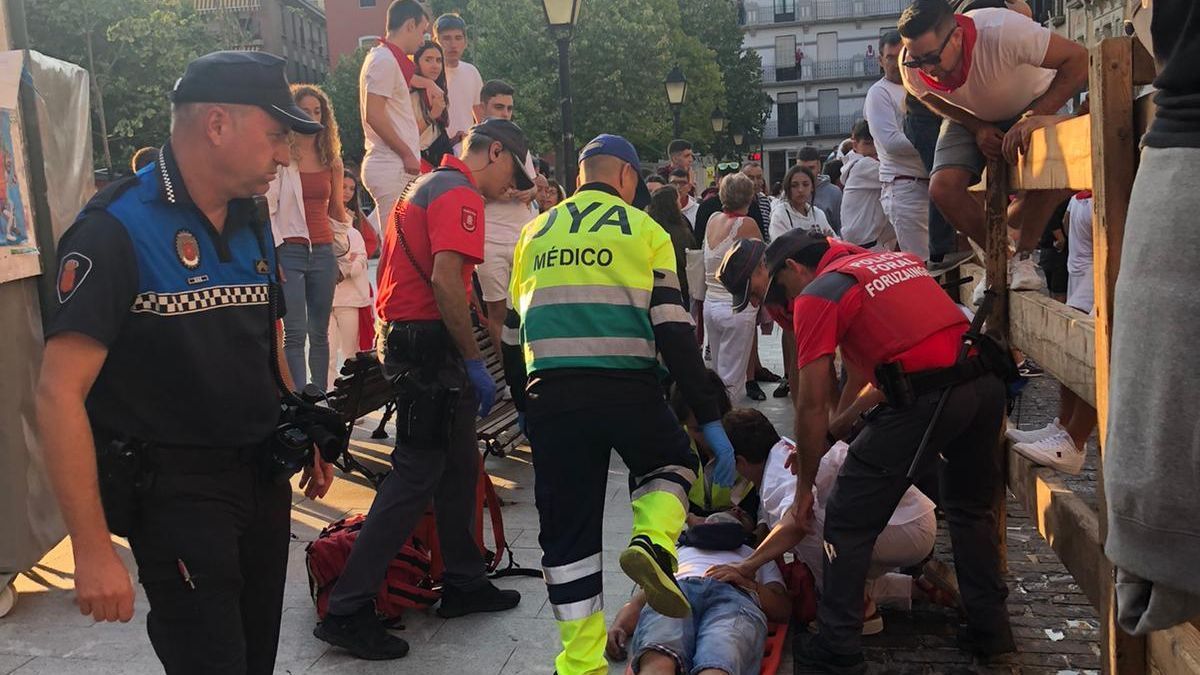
(124, 475)
(417, 354)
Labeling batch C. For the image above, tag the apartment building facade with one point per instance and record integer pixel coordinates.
(293, 29)
(819, 59)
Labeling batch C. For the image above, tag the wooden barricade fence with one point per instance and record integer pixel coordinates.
(1097, 152)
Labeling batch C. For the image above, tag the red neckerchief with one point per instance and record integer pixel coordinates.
(406, 64)
(1083, 194)
(969, 36)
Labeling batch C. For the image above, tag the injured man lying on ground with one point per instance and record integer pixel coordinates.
(727, 629)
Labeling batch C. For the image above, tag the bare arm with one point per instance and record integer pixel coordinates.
(623, 626)
(812, 420)
(950, 111)
(375, 115)
(337, 201)
(69, 368)
(1069, 60)
(478, 112)
(451, 299)
(775, 602)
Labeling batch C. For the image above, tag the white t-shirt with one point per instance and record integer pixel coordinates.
(695, 562)
(1081, 292)
(464, 83)
(863, 219)
(504, 218)
(690, 210)
(785, 218)
(381, 75)
(778, 491)
(354, 290)
(1006, 73)
(884, 111)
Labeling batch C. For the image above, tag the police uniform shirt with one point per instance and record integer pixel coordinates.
(181, 308)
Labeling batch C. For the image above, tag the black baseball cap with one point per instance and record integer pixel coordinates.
(737, 268)
(509, 135)
(246, 78)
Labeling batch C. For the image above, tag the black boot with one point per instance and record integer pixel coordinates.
(457, 602)
(810, 655)
(755, 392)
(987, 644)
(782, 390)
(362, 635)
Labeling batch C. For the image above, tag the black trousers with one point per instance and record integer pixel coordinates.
(874, 478)
(210, 513)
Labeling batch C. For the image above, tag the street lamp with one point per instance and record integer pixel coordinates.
(676, 85)
(718, 120)
(738, 137)
(561, 16)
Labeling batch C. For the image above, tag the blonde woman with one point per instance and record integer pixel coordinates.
(307, 215)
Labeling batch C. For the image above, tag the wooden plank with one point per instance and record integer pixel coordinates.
(1175, 651)
(1114, 162)
(1059, 157)
(996, 212)
(1062, 340)
(1069, 525)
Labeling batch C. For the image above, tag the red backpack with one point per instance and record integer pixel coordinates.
(414, 576)
(407, 585)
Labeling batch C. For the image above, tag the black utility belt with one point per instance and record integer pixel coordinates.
(903, 389)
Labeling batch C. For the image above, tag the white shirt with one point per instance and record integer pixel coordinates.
(785, 218)
(1081, 292)
(354, 290)
(695, 562)
(504, 218)
(464, 84)
(381, 75)
(1006, 74)
(884, 111)
(690, 210)
(778, 491)
(863, 219)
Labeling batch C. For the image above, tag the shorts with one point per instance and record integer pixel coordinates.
(726, 631)
(956, 147)
(495, 271)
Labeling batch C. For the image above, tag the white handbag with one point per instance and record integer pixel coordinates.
(695, 273)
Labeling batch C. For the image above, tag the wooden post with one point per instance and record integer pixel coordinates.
(996, 211)
(1114, 163)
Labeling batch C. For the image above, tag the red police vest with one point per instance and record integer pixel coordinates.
(901, 307)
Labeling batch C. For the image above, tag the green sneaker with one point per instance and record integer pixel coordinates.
(649, 566)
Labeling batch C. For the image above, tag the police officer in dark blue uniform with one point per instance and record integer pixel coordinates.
(157, 393)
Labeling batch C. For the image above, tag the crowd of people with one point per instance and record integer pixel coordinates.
(593, 292)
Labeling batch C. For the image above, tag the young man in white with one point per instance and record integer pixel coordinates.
(503, 220)
(681, 180)
(864, 222)
(462, 79)
(996, 76)
(391, 137)
(904, 195)
(765, 458)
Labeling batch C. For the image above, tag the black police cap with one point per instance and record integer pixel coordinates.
(246, 78)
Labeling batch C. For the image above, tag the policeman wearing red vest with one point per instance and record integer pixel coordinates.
(899, 332)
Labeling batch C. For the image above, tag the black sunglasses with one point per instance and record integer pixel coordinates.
(932, 58)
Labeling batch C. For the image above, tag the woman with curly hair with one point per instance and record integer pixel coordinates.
(309, 220)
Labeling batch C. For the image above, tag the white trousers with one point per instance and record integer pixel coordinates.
(730, 338)
(385, 180)
(906, 204)
(343, 339)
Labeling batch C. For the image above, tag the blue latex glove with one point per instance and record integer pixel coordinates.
(724, 473)
(484, 385)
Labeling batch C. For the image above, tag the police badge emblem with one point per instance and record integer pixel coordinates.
(187, 249)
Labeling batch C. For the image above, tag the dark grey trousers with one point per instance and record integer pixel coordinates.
(874, 478)
(447, 476)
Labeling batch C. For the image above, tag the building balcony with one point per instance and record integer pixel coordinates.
(770, 12)
(809, 71)
(838, 126)
(208, 6)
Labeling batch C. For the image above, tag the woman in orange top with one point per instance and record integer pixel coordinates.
(308, 217)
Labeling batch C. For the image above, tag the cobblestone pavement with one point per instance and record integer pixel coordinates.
(1056, 629)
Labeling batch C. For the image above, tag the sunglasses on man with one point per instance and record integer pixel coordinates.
(933, 58)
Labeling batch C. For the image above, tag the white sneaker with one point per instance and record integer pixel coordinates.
(1057, 452)
(1023, 273)
(1029, 435)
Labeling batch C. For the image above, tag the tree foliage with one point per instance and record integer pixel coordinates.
(342, 88)
(138, 48)
(620, 53)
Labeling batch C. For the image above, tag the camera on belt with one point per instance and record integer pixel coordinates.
(304, 423)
